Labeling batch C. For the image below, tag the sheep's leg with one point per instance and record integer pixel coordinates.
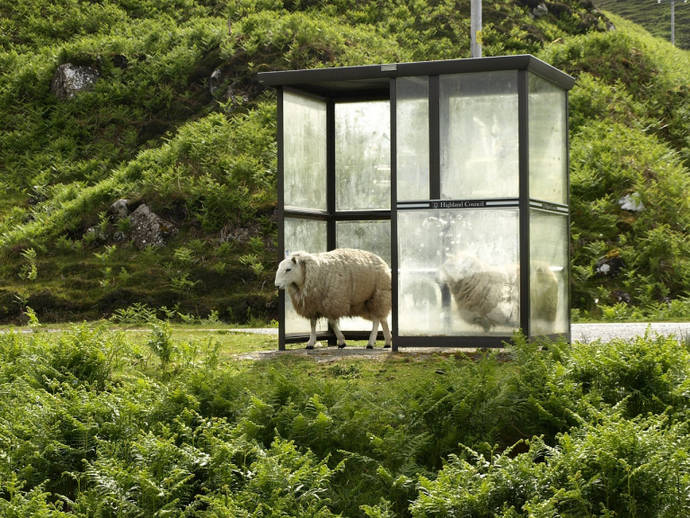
(312, 335)
(386, 333)
(372, 336)
(338, 333)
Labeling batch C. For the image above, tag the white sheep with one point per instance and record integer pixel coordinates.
(341, 283)
(489, 296)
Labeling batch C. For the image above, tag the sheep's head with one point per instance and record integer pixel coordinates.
(290, 271)
(460, 267)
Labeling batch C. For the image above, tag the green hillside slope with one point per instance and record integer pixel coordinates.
(653, 16)
(177, 121)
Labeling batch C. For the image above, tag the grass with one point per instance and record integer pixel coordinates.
(654, 17)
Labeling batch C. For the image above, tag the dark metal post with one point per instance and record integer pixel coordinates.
(330, 189)
(523, 136)
(568, 298)
(281, 217)
(394, 215)
(434, 139)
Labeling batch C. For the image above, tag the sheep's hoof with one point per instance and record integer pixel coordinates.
(369, 346)
(387, 346)
(309, 347)
(341, 346)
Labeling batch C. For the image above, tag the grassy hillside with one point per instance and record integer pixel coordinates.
(654, 17)
(156, 128)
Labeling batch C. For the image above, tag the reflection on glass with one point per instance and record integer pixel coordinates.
(304, 151)
(362, 155)
(373, 236)
(412, 139)
(479, 135)
(306, 236)
(452, 280)
(548, 273)
(547, 141)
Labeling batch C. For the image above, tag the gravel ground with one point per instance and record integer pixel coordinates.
(605, 332)
(586, 332)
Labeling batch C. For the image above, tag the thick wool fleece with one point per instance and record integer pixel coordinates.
(342, 283)
(490, 297)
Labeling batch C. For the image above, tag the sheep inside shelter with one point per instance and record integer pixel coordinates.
(341, 283)
(488, 296)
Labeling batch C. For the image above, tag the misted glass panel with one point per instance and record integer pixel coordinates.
(303, 235)
(479, 135)
(373, 236)
(548, 151)
(412, 137)
(458, 272)
(304, 151)
(548, 273)
(362, 155)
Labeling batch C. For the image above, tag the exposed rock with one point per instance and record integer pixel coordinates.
(149, 229)
(609, 266)
(37, 194)
(530, 3)
(71, 79)
(215, 80)
(540, 10)
(231, 233)
(631, 202)
(119, 208)
(557, 9)
(120, 61)
(621, 296)
(92, 233)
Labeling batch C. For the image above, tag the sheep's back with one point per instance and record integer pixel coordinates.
(341, 282)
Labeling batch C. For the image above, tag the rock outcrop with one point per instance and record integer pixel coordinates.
(149, 229)
(71, 79)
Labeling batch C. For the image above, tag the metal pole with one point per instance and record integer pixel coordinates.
(476, 28)
(673, 22)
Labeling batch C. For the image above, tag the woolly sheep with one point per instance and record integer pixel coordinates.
(489, 296)
(341, 283)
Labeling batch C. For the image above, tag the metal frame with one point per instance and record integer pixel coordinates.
(378, 82)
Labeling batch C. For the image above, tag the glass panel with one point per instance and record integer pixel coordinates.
(412, 123)
(374, 236)
(548, 178)
(304, 151)
(548, 273)
(362, 155)
(303, 235)
(479, 135)
(458, 272)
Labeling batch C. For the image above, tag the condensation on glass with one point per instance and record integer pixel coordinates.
(412, 138)
(304, 151)
(302, 235)
(548, 178)
(458, 273)
(373, 236)
(362, 155)
(548, 273)
(479, 135)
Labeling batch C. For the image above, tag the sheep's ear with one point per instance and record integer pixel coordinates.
(294, 259)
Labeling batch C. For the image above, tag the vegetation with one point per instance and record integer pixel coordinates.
(102, 423)
(177, 120)
(655, 18)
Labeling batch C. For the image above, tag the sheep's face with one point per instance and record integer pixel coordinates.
(460, 267)
(290, 271)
